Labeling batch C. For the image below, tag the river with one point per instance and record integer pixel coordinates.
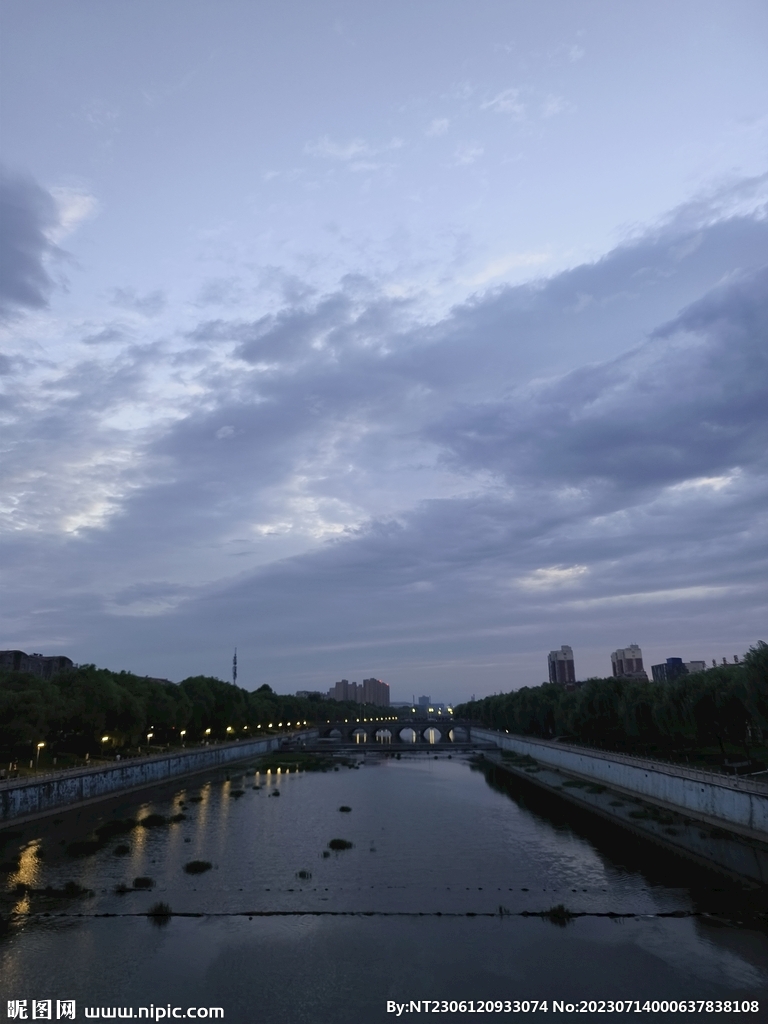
(437, 898)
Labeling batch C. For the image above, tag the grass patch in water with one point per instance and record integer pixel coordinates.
(160, 913)
(118, 827)
(304, 875)
(70, 890)
(340, 844)
(143, 882)
(575, 784)
(181, 816)
(84, 847)
(153, 821)
(122, 850)
(196, 799)
(237, 793)
(345, 809)
(559, 915)
(197, 867)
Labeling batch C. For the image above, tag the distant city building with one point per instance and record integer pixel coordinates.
(424, 701)
(375, 691)
(561, 667)
(370, 691)
(627, 663)
(37, 664)
(673, 668)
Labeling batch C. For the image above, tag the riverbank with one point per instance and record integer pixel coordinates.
(737, 804)
(26, 799)
(739, 856)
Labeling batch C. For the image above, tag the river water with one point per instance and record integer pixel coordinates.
(434, 900)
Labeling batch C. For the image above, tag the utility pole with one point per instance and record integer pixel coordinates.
(234, 669)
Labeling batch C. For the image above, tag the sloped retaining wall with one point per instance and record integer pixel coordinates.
(738, 804)
(31, 798)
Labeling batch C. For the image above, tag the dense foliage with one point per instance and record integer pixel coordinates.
(74, 710)
(727, 705)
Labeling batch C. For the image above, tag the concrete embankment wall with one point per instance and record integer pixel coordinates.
(32, 798)
(734, 803)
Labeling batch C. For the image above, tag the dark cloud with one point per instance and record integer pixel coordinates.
(27, 215)
(690, 402)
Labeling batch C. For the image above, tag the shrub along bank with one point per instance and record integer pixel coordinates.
(723, 710)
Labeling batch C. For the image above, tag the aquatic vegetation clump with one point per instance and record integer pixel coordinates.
(345, 809)
(340, 844)
(559, 915)
(143, 882)
(84, 847)
(160, 913)
(122, 850)
(304, 875)
(197, 867)
(118, 827)
(153, 820)
(237, 793)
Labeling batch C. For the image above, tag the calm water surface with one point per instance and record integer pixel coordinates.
(434, 840)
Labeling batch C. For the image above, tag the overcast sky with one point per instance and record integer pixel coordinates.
(405, 339)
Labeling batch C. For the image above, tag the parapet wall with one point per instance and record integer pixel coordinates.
(31, 798)
(735, 803)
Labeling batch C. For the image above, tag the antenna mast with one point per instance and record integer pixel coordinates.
(234, 669)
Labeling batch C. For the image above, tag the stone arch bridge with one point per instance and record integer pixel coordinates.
(433, 733)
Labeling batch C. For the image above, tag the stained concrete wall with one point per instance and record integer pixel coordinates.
(740, 804)
(31, 798)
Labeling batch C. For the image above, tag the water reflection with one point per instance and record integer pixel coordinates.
(429, 836)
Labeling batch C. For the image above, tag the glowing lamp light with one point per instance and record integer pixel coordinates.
(207, 732)
(105, 739)
(230, 729)
(150, 735)
(183, 732)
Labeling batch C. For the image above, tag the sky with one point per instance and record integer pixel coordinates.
(398, 340)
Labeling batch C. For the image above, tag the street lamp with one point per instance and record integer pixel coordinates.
(149, 736)
(37, 758)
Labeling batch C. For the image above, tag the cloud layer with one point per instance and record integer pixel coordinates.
(341, 485)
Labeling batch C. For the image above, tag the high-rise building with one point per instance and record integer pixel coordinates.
(627, 663)
(561, 667)
(674, 667)
(370, 691)
(376, 692)
(668, 670)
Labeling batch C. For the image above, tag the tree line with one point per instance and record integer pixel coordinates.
(722, 706)
(75, 710)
